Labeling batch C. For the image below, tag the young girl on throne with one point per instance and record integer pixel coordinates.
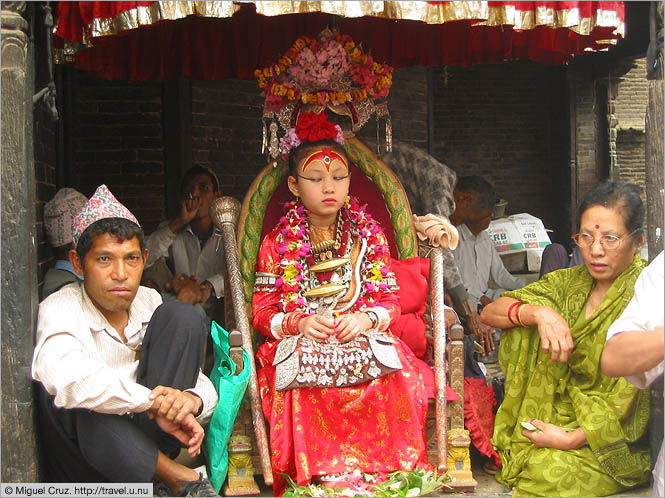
(324, 292)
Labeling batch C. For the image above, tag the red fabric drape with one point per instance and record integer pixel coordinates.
(209, 48)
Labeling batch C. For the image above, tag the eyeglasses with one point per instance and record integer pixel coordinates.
(608, 242)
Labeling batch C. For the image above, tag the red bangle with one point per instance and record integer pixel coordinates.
(510, 310)
(291, 322)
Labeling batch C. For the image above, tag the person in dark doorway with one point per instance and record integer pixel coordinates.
(120, 390)
(189, 244)
(58, 215)
(476, 257)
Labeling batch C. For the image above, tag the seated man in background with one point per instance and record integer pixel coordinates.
(634, 347)
(555, 257)
(186, 253)
(120, 387)
(58, 215)
(428, 184)
(476, 256)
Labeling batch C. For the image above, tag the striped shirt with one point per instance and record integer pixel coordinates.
(82, 360)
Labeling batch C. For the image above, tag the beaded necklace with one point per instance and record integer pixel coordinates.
(296, 255)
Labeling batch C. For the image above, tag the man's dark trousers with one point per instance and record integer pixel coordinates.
(79, 445)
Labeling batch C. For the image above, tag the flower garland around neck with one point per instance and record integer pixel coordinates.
(296, 253)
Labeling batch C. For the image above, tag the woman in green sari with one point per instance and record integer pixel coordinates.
(587, 431)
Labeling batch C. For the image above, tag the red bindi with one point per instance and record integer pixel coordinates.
(597, 227)
(120, 241)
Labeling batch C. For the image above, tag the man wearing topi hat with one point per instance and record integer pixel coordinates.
(121, 391)
(58, 215)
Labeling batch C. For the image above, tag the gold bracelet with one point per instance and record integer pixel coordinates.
(519, 315)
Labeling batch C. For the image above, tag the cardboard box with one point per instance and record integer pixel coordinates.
(519, 239)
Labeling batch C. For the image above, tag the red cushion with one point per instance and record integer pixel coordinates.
(413, 291)
(412, 278)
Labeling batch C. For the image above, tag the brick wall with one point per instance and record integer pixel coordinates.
(508, 122)
(44, 130)
(631, 104)
(226, 132)
(117, 140)
(495, 121)
(631, 101)
(630, 156)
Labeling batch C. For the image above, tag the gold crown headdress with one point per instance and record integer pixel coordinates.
(329, 71)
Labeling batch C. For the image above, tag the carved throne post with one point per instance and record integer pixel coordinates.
(459, 461)
(224, 213)
(241, 467)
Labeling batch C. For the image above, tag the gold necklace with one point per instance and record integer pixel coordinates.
(324, 249)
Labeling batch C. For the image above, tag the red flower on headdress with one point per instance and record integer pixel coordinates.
(312, 127)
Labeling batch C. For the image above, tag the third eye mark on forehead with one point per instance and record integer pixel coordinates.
(319, 171)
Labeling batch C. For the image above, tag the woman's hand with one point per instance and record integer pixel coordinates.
(348, 326)
(553, 436)
(316, 327)
(554, 331)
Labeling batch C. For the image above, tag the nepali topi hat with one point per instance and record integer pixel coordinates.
(101, 205)
(59, 214)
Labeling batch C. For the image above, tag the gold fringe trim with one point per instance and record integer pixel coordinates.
(158, 11)
(479, 11)
(455, 11)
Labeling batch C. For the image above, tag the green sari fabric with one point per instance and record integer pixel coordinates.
(612, 413)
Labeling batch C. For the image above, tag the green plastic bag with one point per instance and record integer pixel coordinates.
(230, 389)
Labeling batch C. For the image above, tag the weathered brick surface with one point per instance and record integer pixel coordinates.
(44, 130)
(508, 122)
(226, 132)
(631, 104)
(497, 121)
(118, 140)
(630, 155)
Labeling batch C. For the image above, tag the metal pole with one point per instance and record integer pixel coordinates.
(439, 332)
(224, 213)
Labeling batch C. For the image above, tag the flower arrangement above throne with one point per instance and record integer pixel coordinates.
(329, 71)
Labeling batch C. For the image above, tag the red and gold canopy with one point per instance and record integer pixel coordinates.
(149, 40)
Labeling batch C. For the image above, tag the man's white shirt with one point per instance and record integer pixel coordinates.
(82, 360)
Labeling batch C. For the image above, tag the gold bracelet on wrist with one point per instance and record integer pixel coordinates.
(519, 314)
